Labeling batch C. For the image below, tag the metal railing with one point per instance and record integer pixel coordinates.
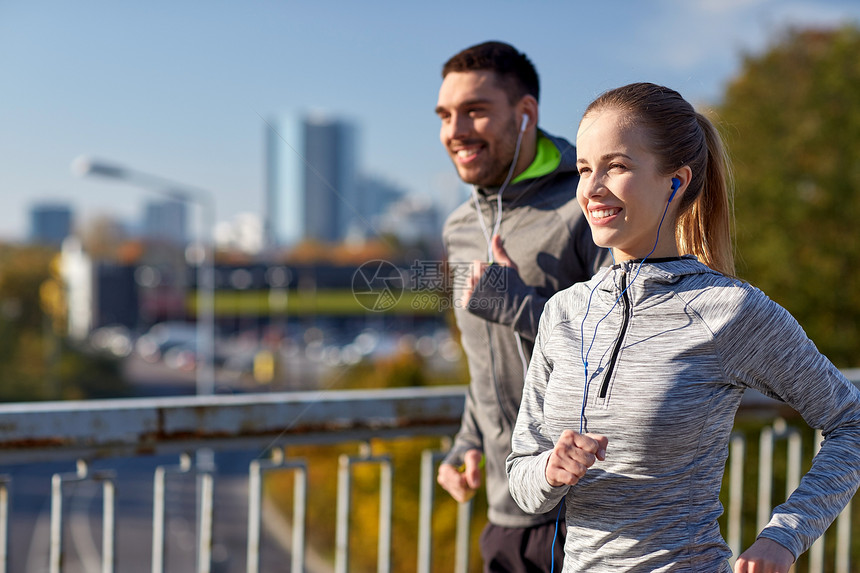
(81, 432)
(88, 432)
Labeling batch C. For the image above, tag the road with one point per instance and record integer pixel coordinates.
(155, 379)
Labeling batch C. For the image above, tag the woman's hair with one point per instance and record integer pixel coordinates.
(681, 136)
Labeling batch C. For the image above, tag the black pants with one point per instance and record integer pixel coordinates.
(522, 549)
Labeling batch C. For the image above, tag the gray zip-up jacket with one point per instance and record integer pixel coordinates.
(667, 367)
(546, 235)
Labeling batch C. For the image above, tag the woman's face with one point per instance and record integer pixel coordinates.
(620, 191)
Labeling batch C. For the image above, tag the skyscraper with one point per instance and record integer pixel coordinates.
(310, 179)
(283, 219)
(50, 223)
(330, 178)
(166, 220)
(376, 196)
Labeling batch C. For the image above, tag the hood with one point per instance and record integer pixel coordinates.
(554, 155)
(648, 275)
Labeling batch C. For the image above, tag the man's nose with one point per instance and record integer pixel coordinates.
(458, 126)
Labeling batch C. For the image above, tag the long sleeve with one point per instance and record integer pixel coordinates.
(772, 354)
(501, 296)
(468, 437)
(531, 446)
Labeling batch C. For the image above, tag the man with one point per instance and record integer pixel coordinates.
(519, 239)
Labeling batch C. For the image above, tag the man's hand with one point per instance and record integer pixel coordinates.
(462, 485)
(476, 271)
(500, 255)
(572, 455)
(764, 556)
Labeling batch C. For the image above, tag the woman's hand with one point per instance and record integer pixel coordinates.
(764, 556)
(572, 455)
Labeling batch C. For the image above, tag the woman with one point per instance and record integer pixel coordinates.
(637, 374)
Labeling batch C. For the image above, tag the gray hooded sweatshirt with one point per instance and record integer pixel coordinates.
(547, 237)
(669, 358)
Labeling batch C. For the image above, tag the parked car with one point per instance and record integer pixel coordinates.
(164, 337)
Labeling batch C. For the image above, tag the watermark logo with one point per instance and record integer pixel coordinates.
(430, 286)
(377, 285)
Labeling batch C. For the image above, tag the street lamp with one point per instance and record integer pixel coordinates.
(205, 370)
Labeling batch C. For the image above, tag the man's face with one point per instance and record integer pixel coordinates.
(479, 126)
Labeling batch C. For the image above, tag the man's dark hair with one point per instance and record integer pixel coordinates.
(515, 72)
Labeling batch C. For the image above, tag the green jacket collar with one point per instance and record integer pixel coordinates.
(547, 159)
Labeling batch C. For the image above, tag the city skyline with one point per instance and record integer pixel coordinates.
(182, 91)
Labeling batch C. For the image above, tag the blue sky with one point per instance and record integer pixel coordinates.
(178, 89)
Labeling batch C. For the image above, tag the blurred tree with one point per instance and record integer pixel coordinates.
(308, 251)
(791, 120)
(131, 251)
(52, 297)
(36, 361)
(358, 253)
(103, 237)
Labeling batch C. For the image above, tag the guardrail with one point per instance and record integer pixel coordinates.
(86, 432)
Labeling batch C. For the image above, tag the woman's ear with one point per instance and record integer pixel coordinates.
(680, 181)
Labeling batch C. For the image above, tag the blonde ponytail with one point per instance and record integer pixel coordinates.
(704, 229)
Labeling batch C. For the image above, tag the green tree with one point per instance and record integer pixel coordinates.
(791, 120)
(36, 361)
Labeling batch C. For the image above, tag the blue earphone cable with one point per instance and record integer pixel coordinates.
(584, 355)
(555, 534)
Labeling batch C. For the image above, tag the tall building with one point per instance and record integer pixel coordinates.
(310, 179)
(166, 220)
(376, 196)
(330, 176)
(283, 220)
(413, 220)
(50, 223)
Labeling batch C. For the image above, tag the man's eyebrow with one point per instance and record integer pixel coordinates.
(468, 103)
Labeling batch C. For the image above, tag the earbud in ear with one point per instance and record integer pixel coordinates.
(525, 122)
(676, 183)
